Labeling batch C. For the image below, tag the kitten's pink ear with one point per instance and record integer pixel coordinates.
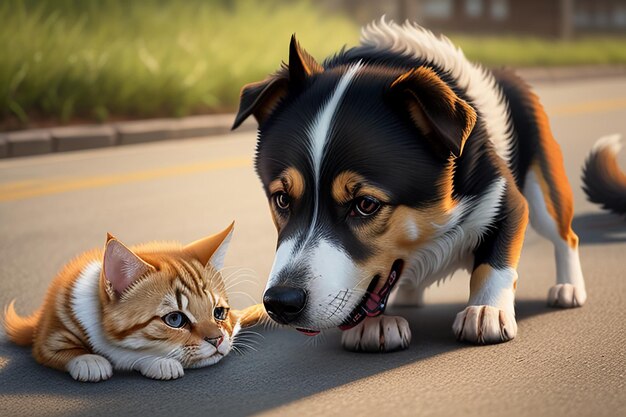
(121, 266)
(212, 249)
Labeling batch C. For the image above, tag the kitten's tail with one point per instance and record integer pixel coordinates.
(20, 330)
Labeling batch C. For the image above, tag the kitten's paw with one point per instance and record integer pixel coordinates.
(378, 334)
(90, 368)
(484, 325)
(162, 368)
(566, 296)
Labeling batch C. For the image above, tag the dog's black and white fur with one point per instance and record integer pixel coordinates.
(399, 156)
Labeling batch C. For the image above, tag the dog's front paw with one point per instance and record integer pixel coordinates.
(162, 368)
(566, 296)
(90, 368)
(378, 334)
(484, 325)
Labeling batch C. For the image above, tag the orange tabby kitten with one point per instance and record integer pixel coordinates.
(156, 308)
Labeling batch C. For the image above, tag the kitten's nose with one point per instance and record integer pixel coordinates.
(215, 341)
(284, 304)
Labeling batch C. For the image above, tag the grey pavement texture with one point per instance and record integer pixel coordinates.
(563, 362)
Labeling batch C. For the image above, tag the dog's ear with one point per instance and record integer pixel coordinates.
(443, 117)
(301, 64)
(260, 99)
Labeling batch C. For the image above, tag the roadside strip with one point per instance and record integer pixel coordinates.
(40, 187)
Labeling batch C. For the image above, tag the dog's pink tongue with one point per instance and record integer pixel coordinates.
(308, 332)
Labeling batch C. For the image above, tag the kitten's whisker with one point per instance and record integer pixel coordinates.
(252, 280)
(254, 343)
(247, 346)
(252, 332)
(237, 349)
(250, 338)
(245, 268)
(244, 271)
(246, 294)
(234, 284)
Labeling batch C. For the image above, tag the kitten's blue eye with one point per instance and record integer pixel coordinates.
(175, 319)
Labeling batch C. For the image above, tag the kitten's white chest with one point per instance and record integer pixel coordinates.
(85, 304)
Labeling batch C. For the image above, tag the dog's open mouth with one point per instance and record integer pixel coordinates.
(374, 301)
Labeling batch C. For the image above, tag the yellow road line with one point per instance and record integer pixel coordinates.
(28, 189)
(595, 106)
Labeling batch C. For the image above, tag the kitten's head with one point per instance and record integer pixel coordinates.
(170, 300)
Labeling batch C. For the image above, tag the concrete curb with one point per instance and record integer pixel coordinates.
(71, 138)
(28, 142)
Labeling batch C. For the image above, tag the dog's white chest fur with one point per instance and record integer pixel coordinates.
(453, 246)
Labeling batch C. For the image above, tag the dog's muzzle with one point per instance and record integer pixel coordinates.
(284, 304)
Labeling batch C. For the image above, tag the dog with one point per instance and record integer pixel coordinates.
(399, 161)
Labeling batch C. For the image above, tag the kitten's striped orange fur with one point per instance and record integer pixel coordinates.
(156, 308)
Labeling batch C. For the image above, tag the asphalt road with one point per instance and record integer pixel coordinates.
(561, 363)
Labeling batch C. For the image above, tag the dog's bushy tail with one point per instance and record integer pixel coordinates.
(603, 181)
(20, 330)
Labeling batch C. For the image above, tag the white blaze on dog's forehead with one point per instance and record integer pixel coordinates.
(319, 135)
(319, 131)
(284, 254)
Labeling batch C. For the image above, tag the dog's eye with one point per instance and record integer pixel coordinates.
(220, 313)
(365, 206)
(175, 319)
(282, 200)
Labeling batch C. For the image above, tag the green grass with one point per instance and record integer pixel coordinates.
(94, 60)
(526, 51)
(98, 59)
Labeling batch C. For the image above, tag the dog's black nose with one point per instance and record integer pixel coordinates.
(284, 304)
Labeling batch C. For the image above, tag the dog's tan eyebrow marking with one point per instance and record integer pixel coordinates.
(348, 185)
(290, 181)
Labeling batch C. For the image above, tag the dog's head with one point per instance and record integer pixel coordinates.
(356, 160)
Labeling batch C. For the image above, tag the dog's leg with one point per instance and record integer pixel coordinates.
(547, 190)
(490, 314)
(378, 334)
(551, 214)
(551, 204)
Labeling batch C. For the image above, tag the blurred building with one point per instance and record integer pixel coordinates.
(549, 18)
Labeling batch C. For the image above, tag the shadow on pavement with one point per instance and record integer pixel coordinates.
(284, 369)
(604, 227)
